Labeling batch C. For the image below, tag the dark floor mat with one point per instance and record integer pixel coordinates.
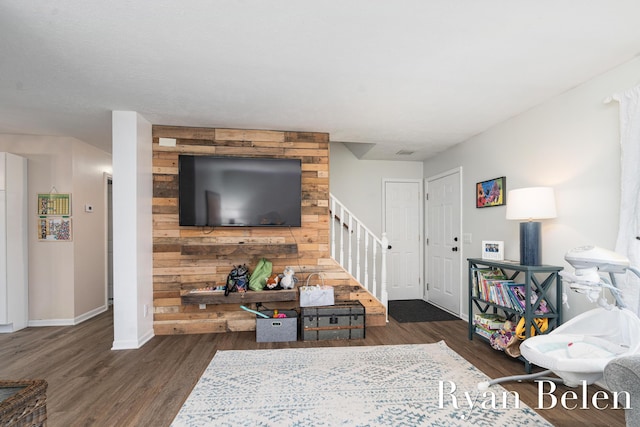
(415, 310)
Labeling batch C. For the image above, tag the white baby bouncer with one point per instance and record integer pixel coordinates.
(578, 351)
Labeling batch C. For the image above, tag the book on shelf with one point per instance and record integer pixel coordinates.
(517, 301)
(496, 292)
(502, 292)
(486, 333)
(518, 296)
(489, 321)
(480, 278)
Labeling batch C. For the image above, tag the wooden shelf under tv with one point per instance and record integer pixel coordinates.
(239, 297)
(240, 249)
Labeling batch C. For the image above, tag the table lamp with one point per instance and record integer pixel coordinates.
(531, 204)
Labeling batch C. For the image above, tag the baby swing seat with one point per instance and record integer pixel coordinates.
(579, 350)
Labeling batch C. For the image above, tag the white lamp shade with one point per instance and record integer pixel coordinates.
(531, 203)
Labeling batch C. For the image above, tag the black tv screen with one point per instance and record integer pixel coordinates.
(239, 192)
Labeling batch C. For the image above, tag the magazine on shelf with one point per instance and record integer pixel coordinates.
(518, 295)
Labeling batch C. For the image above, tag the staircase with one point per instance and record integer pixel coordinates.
(358, 251)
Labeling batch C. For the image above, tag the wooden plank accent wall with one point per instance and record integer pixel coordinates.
(185, 258)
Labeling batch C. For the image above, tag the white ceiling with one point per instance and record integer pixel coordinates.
(412, 75)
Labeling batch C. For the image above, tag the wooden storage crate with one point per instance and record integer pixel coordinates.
(340, 321)
(23, 403)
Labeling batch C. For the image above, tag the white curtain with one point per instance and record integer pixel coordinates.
(628, 242)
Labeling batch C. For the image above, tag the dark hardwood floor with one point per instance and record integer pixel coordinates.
(91, 385)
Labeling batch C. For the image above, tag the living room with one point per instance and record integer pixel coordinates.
(569, 141)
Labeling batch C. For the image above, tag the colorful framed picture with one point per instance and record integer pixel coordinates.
(55, 204)
(491, 193)
(54, 229)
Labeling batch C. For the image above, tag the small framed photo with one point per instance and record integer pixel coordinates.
(491, 193)
(493, 249)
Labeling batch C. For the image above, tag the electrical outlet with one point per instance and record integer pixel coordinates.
(146, 310)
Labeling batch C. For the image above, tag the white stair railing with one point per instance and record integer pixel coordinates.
(359, 251)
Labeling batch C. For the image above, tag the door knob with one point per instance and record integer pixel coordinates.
(455, 239)
(454, 249)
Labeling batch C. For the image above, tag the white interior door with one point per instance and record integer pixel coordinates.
(403, 225)
(444, 242)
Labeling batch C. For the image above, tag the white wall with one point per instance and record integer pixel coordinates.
(132, 230)
(66, 279)
(89, 165)
(358, 183)
(570, 143)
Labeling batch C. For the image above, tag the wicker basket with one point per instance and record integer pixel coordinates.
(26, 406)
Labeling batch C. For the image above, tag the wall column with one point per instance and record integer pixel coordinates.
(132, 230)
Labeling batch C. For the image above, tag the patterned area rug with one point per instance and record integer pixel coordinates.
(395, 385)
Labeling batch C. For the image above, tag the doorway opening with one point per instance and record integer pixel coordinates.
(109, 231)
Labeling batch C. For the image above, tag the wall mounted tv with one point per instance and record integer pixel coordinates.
(239, 192)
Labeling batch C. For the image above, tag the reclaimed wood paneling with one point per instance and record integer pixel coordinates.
(193, 257)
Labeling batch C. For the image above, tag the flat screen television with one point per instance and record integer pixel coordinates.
(239, 192)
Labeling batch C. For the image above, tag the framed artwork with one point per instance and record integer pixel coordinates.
(493, 249)
(491, 193)
(54, 217)
(57, 204)
(54, 229)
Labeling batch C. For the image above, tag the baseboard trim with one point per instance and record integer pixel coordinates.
(11, 327)
(93, 313)
(146, 337)
(68, 322)
(133, 344)
(50, 322)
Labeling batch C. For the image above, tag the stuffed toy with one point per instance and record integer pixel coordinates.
(288, 280)
(272, 281)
